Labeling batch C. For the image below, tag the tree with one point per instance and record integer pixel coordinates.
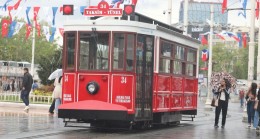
(49, 64)
(229, 59)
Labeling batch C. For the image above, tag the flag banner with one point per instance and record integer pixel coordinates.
(6, 4)
(203, 40)
(244, 5)
(244, 36)
(232, 35)
(46, 32)
(239, 35)
(61, 31)
(11, 30)
(257, 9)
(82, 9)
(61, 9)
(224, 6)
(10, 8)
(28, 30)
(35, 12)
(18, 27)
(54, 11)
(38, 27)
(27, 15)
(5, 23)
(17, 4)
(204, 55)
(53, 30)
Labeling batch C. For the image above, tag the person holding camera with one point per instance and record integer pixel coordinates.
(223, 96)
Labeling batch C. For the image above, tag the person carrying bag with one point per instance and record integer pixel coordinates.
(222, 105)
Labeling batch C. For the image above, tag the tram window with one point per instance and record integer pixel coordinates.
(130, 52)
(70, 49)
(165, 65)
(119, 49)
(179, 52)
(166, 49)
(191, 56)
(189, 69)
(177, 67)
(93, 51)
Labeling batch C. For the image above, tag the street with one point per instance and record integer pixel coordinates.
(14, 123)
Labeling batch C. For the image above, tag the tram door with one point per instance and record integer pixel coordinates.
(144, 77)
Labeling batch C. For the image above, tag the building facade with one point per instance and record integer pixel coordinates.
(199, 16)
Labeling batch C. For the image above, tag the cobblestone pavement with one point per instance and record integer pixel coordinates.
(14, 123)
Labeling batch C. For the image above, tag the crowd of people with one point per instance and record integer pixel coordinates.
(248, 98)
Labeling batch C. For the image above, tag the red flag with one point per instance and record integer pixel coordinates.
(220, 36)
(224, 6)
(35, 12)
(17, 4)
(28, 30)
(61, 9)
(10, 8)
(38, 27)
(244, 37)
(204, 41)
(257, 9)
(61, 31)
(134, 2)
(5, 24)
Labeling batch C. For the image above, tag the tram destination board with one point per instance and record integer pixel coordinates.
(103, 9)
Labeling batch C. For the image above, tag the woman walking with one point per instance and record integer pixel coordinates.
(250, 97)
(223, 96)
(57, 93)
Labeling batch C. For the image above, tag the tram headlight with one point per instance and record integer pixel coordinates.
(92, 88)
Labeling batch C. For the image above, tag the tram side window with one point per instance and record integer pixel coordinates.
(191, 63)
(119, 49)
(179, 65)
(70, 49)
(165, 59)
(130, 52)
(94, 50)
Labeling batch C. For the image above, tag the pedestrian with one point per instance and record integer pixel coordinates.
(34, 85)
(26, 87)
(241, 97)
(250, 98)
(12, 84)
(223, 95)
(57, 93)
(52, 107)
(256, 116)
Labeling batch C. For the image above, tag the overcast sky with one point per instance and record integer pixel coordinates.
(152, 8)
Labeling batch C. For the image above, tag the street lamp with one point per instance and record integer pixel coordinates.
(208, 101)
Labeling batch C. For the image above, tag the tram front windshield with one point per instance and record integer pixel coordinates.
(94, 51)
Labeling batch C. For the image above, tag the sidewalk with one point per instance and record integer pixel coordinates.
(37, 108)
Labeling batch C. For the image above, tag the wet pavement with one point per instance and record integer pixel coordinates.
(38, 124)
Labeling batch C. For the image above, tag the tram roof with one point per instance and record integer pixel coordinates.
(144, 20)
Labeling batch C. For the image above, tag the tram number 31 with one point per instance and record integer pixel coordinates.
(123, 80)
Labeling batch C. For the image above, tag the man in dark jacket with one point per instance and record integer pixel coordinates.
(27, 86)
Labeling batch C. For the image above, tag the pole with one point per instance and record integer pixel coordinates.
(185, 22)
(169, 12)
(33, 49)
(208, 101)
(258, 56)
(251, 44)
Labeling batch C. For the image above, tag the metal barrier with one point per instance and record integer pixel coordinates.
(15, 97)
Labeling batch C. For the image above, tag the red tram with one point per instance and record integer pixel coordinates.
(135, 71)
